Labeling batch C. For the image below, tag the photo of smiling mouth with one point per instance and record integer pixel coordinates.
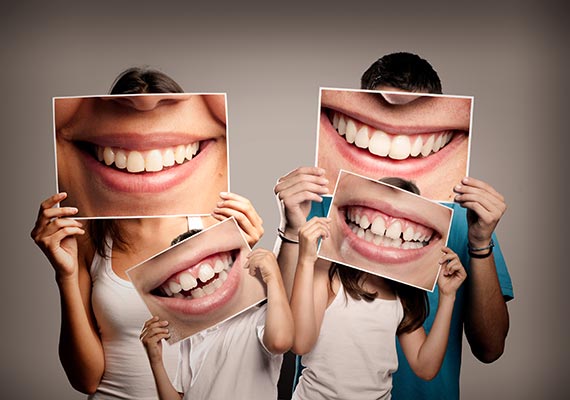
(136, 161)
(382, 237)
(201, 287)
(390, 144)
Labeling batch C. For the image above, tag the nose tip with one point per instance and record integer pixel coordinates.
(399, 99)
(147, 102)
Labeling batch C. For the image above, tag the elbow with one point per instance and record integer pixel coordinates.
(427, 374)
(489, 354)
(280, 345)
(301, 348)
(84, 380)
(83, 384)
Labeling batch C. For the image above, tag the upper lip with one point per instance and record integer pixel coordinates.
(139, 141)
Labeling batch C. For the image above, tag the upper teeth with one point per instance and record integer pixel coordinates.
(189, 279)
(397, 147)
(397, 233)
(150, 160)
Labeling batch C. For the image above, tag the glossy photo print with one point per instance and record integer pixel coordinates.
(420, 137)
(200, 281)
(386, 231)
(141, 155)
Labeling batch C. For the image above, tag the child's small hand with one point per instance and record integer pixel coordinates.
(233, 205)
(452, 273)
(309, 236)
(154, 330)
(264, 261)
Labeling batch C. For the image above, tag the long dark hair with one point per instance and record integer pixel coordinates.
(414, 300)
(134, 80)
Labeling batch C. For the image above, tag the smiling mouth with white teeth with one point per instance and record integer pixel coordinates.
(383, 230)
(391, 145)
(154, 160)
(200, 280)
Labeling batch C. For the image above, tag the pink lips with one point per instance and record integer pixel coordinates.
(145, 182)
(372, 165)
(210, 302)
(382, 254)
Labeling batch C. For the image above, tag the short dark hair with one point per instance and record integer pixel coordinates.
(401, 183)
(184, 236)
(405, 71)
(139, 80)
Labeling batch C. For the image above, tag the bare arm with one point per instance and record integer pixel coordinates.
(425, 353)
(80, 349)
(153, 332)
(487, 316)
(279, 331)
(310, 293)
(295, 191)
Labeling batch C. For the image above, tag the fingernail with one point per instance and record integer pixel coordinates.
(224, 194)
(220, 203)
(457, 198)
(465, 180)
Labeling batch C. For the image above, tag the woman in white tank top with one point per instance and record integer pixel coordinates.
(101, 312)
(346, 323)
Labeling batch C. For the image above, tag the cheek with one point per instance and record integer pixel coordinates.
(64, 110)
(217, 105)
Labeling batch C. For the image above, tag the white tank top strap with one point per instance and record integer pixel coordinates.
(194, 222)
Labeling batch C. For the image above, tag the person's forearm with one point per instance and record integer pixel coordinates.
(303, 309)
(432, 351)
(80, 348)
(486, 314)
(287, 254)
(164, 387)
(279, 329)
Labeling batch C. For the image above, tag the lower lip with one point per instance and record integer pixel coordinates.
(145, 182)
(381, 254)
(376, 166)
(211, 302)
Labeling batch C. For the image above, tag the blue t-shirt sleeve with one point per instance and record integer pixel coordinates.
(320, 209)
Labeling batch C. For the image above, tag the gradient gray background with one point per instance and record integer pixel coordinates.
(271, 60)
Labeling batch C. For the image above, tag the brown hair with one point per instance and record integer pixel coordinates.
(134, 80)
(414, 300)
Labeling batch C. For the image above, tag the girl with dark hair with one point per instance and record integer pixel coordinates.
(101, 312)
(347, 320)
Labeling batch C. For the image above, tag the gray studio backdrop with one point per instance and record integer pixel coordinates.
(271, 62)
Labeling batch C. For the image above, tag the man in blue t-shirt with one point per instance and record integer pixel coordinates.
(480, 307)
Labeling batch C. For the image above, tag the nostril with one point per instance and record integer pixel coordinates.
(145, 102)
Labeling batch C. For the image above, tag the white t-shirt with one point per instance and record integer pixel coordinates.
(229, 361)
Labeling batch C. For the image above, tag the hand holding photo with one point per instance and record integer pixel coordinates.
(141, 155)
(200, 281)
(420, 137)
(385, 230)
